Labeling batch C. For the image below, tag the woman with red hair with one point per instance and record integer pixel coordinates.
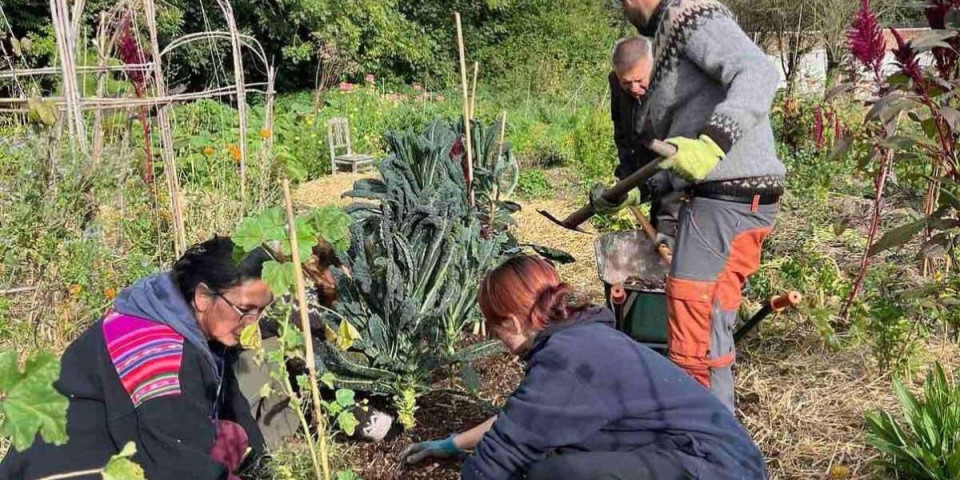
(593, 403)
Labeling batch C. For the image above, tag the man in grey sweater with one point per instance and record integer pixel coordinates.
(710, 95)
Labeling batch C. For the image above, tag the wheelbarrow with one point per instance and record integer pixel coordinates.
(634, 276)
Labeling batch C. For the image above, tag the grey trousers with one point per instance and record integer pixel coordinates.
(718, 247)
(277, 421)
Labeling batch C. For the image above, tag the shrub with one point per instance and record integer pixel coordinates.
(925, 444)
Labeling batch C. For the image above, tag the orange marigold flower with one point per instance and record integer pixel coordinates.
(208, 151)
(264, 133)
(110, 293)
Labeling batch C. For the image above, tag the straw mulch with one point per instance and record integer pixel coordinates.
(327, 189)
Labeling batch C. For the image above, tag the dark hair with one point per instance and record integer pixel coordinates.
(211, 263)
(528, 288)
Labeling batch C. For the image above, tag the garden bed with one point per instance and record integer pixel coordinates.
(802, 402)
(440, 414)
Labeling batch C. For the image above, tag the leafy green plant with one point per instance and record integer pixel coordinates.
(30, 405)
(340, 409)
(533, 184)
(415, 258)
(925, 443)
(28, 401)
(271, 231)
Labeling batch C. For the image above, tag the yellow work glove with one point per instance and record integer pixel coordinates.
(604, 207)
(695, 158)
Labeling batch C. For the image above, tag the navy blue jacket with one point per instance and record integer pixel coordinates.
(591, 388)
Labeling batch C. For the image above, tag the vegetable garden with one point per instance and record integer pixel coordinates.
(108, 170)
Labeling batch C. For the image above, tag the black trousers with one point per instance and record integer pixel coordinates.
(640, 465)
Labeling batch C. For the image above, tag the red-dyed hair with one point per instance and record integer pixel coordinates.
(528, 288)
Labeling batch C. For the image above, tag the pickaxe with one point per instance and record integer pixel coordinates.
(616, 193)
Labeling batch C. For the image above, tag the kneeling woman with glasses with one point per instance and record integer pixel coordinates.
(157, 371)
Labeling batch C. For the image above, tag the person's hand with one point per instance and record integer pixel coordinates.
(664, 239)
(434, 448)
(695, 158)
(604, 207)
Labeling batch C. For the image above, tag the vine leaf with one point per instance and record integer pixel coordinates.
(28, 401)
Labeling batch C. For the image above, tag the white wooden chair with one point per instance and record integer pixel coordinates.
(341, 148)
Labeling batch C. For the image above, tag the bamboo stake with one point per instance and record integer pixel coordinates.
(60, 13)
(473, 95)
(305, 326)
(466, 109)
(503, 132)
(101, 85)
(241, 96)
(266, 150)
(166, 135)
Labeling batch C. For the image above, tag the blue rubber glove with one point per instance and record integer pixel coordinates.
(695, 158)
(434, 448)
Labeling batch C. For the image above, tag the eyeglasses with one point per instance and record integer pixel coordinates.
(255, 314)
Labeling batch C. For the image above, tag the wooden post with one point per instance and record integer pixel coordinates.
(101, 86)
(166, 134)
(473, 95)
(466, 110)
(66, 45)
(266, 150)
(305, 326)
(241, 96)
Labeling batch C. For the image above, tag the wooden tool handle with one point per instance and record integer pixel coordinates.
(786, 300)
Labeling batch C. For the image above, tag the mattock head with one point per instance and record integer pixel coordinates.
(559, 222)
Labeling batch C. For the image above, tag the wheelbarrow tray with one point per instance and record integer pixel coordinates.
(629, 258)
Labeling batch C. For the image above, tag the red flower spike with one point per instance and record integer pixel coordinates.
(907, 59)
(865, 40)
(131, 54)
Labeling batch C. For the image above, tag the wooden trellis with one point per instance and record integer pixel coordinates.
(72, 103)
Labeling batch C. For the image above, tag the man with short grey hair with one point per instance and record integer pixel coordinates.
(632, 61)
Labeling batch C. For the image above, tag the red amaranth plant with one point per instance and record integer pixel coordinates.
(866, 41)
(907, 60)
(130, 52)
(945, 58)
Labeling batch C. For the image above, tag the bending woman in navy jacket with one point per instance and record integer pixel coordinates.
(594, 403)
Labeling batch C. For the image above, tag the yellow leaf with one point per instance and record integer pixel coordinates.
(250, 337)
(330, 334)
(348, 335)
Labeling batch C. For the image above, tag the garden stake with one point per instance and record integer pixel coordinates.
(473, 95)
(305, 326)
(617, 192)
(466, 109)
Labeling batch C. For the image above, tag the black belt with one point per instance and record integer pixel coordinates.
(759, 199)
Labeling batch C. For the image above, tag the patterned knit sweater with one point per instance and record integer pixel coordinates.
(710, 78)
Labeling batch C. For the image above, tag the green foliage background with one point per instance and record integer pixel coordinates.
(538, 46)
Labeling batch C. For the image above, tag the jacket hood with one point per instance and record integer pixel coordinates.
(158, 299)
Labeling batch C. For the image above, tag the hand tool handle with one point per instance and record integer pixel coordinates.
(776, 304)
(787, 300)
(623, 187)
